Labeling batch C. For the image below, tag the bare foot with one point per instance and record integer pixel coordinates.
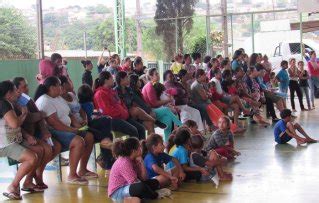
(226, 177)
(300, 142)
(310, 140)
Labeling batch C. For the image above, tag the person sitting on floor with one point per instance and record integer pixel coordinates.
(181, 152)
(211, 160)
(222, 140)
(285, 130)
(154, 160)
(128, 177)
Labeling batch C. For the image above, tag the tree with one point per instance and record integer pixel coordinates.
(167, 29)
(17, 37)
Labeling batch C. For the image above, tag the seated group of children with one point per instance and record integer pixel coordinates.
(143, 170)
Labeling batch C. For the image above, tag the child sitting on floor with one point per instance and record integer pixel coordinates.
(192, 125)
(128, 177)
(212, 161)
(285, 130)
(222, 140)
(181, 153)
(154, 162)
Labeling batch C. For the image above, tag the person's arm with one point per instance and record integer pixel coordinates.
(13, 120)
(194, 168)
(142, 172)
(56, 124)
(84, 117)
(101, 57)
(108, 107)
(154, 101)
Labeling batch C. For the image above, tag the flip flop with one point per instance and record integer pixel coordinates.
(32, 190)
(12, 195)
(89, 175)
(42, 186)
(78, 181)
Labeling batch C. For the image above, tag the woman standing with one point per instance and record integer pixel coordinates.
(313, 67)
(294, 85)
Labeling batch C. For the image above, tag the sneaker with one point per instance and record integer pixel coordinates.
(164, 192)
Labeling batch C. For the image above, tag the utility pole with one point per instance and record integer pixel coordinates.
(138, 28)
(40, 42)
(119, 27)
(208, 41)
(224, 25)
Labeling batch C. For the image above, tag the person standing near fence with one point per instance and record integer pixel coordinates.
(303, 82)
(294, 85)
(313, 68)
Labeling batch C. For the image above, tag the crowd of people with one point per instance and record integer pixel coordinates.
(199, 106)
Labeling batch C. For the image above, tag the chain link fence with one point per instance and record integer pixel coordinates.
(157, 31)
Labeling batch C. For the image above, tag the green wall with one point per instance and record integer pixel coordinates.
(29, 69)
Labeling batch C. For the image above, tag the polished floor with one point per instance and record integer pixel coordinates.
(265, 172)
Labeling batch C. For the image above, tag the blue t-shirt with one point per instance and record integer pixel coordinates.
(284, 78)
(88, 107)
(151, 159)
(235, 64)
(181, 154)
(279, 128)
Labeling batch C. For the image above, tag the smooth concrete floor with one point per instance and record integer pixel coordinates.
(265, 172)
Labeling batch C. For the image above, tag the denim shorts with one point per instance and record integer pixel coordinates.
(121, 193)
(64, 138)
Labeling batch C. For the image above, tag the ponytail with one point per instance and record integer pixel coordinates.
(99, 82)
(41, 90)
(125, 147)
(44, 88)
(85, 63)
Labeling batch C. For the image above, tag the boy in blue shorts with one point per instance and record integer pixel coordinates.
(286, 128)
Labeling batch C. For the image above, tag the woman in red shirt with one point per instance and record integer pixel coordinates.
(107, 101)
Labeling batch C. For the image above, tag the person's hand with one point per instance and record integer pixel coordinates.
(174, 179)
(24, 110)
(46, 136)
(139, 160)
(31, 140)
(204, 171)
(181, 175)
(84, 122)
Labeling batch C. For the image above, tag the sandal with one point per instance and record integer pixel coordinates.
(12, 195)
(78, 181)
(42, 186)
(89, 175)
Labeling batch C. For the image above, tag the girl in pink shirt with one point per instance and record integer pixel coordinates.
(128, 176)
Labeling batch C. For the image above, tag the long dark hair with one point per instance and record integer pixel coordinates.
(119, 77)
(99, 82)
(86, 62)
(253, 59)
(167, 72)
(85, 94)
(125, 147)
(44, 88)
(5, 87)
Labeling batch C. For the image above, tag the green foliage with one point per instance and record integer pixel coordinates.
(17, 37)
(167, 28)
